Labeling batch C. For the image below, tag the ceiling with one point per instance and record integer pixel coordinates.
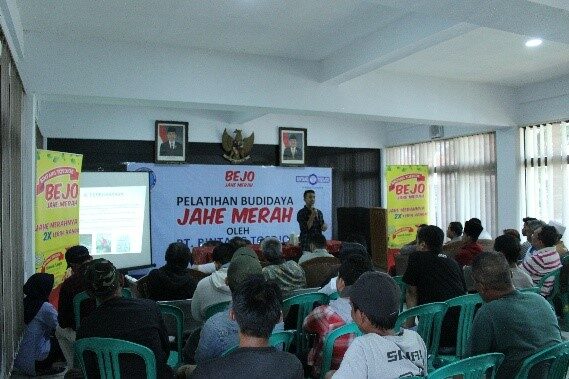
(479, 41)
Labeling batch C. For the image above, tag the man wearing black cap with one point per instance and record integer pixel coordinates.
(76, 258)
(381, 352)
(134, 320)
(171, 147)
(471, 247)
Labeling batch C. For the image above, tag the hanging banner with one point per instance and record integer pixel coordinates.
(407, 202)
(197, 203)
(57, 209)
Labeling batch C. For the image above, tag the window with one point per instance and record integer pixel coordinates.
(462, 177)
(545, 171)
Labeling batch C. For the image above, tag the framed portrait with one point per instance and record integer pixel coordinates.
(292, 146)
(171, 141)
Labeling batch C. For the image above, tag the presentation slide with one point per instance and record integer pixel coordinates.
(114, 217)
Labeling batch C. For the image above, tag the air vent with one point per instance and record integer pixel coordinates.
(437, 131)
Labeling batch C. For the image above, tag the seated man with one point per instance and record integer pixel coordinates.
(454, 232)
(402, 259)
(544, 258)
(213, 289)
(347, 250)
(257, 308)
(471, 247)
(511, 322)
(381, 352)
(510, 247)
(325, 318)
(134, 320)
(317, 243)
(174, 281)
(287, 274)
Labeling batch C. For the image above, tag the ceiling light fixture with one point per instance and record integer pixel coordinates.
(534, 42)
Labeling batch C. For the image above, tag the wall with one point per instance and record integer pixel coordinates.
(542, 102)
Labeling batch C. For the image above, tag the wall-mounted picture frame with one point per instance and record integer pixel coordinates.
(171, 141)
(292, 146)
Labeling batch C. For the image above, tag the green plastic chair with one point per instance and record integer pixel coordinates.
(216, 308)
(556, 284)
(175, 357)
(277, 338)
(329, 341)
(468, 305)
(82, 296)
(429, 327)
(403, 287)
(530, 289)
(557, 355)
(107, 351)
(334, 295)
(470, 368)
(305, 304)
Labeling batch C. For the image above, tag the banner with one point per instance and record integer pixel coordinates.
(57, 209)
(407, 202)
(197, 203)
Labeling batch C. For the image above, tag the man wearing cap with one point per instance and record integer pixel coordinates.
(77, 258)
(381, 352)
(134, 320)
(325, 318)
(545, 259)
(171, 147)
(471, 247)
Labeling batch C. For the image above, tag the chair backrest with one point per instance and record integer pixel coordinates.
(186, 307)
(470, 368)
(319, 270)
(535, 289)
(329, 341)
(430, 323)
(557, 356)
(107, 351)
(556, 284)
(215, 308)
(82, 296)
(468, 306)
(178, 315)
(403, 288)
(283, 337)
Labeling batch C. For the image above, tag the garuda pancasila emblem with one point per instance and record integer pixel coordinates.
(237, 149)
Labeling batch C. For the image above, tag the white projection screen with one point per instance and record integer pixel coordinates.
(114, 217)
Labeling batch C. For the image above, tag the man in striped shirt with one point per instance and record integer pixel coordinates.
(544, 259)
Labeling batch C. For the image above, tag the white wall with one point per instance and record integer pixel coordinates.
(542, 102)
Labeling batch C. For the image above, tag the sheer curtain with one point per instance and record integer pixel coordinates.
(462, 180)
(545, 172)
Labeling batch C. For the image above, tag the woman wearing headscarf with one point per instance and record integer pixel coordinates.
(39, 348)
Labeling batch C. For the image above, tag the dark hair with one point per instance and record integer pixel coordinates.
(432, 236)
(526, 219)
(212, 243)
(548, 235)
(514, 233)
(381, 322)
(357, 238)
(535, 224)
(456, 228)
(476, 220)
(492, 270)
(307, 192)
(257, 304)
(222, 253)
(178, 254)
(318, 240)
(237, 242)
(272, 250)
(509, 246)
(353, 267)
(473, 229)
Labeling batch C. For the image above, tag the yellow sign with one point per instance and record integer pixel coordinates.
(407, 202)
(57, 209)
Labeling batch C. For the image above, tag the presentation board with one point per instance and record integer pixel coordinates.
(114, 217)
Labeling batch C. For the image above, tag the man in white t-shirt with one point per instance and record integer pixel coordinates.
(381, 352)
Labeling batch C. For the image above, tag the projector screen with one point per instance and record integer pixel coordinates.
(114, 217)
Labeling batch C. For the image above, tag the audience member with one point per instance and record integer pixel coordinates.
(484, 235)
(529, 228)
(220, 332)
(174, 281)
(545, 258)
(317, 246)
(287, 274)
(559, 246)
(454, 231)
(76, 258)
(381, 352)
(514, 233)
(257, 308)
(402, 259)
(213, 289)
(510, 247)
(347, 250)
(325, 318)
(432, 276)
(471, 247)
(134, 320)
(39, 349)
(511, 322)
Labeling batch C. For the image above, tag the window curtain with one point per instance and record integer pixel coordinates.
(462, 177)
(545, 172)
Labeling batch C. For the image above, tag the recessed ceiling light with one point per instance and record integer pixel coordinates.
(534, 42)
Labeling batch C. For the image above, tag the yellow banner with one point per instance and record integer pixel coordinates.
(407, 202)
(57, 209)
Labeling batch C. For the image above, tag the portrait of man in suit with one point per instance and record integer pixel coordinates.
(171, 147)
(293, 150)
